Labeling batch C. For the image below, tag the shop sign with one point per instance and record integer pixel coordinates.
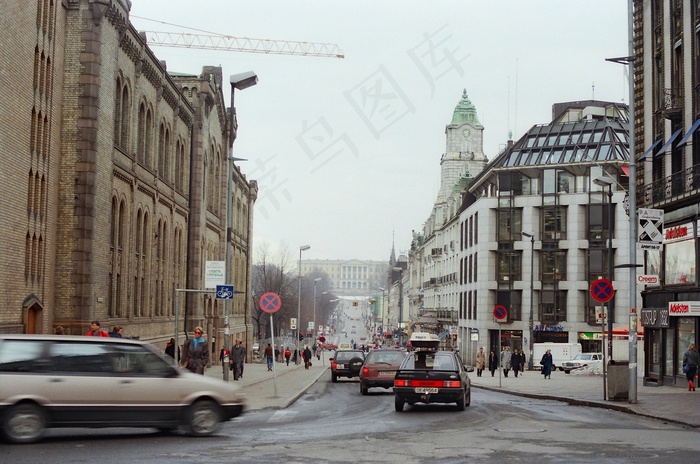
(684, 308)
(648, 280)
(656, 318)
(549, 328)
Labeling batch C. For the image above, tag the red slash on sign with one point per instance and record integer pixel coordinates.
(500, 312)
(602, 290)
(270, 302)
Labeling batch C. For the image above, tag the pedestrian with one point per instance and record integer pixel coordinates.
(691, 360)
(268, 356)
(287, 355)
(116, 332)
(506, 357)
(224, 357)
(493, 362)
(195, 353)
(480, 361)
(546, 363)
(307, 357)
(170, 348)
(95, 330)
(277, 354)
(238, 359)
(516, 362)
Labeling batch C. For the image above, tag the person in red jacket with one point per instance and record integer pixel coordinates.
(95, 330)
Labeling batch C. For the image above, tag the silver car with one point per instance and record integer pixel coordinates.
(66, 381)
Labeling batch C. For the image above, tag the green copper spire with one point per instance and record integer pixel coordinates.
(465, 112)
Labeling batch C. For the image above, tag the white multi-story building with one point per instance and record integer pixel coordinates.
(477, 254)
(349, 277)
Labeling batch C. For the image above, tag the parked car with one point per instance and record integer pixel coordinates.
(582, 360)
(379, 369)
(67, 381)
(431, 376)
(346, 363)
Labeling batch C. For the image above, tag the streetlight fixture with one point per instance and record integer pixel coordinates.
(603, 182)
(241, 82)
(301, 248)
(531, 320)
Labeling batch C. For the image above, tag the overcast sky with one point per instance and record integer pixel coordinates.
(347, 152)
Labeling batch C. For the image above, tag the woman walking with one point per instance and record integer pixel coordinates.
(546, 363)
(691, 360)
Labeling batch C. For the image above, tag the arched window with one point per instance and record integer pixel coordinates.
(141, 142)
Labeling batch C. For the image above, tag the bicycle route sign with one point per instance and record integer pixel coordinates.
(270, 302)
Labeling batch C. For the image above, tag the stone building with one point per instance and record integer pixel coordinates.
(119, 173)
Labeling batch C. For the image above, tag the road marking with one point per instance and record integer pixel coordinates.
(282, 416)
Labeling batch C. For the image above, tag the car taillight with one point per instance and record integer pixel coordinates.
(333, 364)
(365, 371)
(428, 383)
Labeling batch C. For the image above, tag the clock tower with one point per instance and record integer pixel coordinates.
(464, 155)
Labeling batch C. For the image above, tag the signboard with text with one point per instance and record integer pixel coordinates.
(214, 274)
(650, 228)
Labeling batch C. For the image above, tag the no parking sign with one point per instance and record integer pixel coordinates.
(500, 312)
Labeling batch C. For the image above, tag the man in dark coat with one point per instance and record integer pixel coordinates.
(238, 359)
(516, 362)
(493, 363)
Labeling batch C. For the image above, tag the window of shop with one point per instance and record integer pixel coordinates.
(685, 336)
(679, 262)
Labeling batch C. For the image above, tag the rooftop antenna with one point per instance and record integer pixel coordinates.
(593, 89)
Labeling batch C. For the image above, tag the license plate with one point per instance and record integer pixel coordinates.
(387, 373)
(340, 366)
(426, 390)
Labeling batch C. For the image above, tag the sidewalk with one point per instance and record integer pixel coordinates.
(258, 384)
(673, 404)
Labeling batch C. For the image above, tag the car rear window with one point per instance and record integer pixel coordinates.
(347, 355)
(434, 361)
(389, 357)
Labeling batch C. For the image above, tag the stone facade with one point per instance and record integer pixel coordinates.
(127, 167)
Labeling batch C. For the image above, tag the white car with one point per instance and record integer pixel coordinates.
(67, 381)
(582, 360)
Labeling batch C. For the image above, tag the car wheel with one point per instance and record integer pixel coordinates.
(355, 365)
(398, 404)
(363, 389)
(468, 399)
(203, 418)
(334, 378)
(461, 402)
(24, 423)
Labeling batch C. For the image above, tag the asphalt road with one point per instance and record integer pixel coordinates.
(333, 423)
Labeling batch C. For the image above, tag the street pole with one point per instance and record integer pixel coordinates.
(313, 327)
(632, 395)
(301, 248)
(611, 274)
(531, 320)
(238, 81)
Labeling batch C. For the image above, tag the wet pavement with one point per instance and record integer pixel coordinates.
(279, 388)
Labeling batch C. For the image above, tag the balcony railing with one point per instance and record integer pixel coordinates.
(678, 186)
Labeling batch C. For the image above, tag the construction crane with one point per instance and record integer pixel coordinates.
(242, 44)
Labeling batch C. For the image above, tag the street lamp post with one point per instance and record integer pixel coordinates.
(301, 248)
(383, 314)
(313, 326)
(241, 82)
(603, 182)
(531, 320)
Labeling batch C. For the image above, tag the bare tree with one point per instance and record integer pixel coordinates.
(273, 275)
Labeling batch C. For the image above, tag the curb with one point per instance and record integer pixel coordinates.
(592, 404)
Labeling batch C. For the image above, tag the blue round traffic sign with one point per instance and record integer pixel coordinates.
(270, 302)
(602, 290)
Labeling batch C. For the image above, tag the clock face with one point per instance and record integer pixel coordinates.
(466, 133)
